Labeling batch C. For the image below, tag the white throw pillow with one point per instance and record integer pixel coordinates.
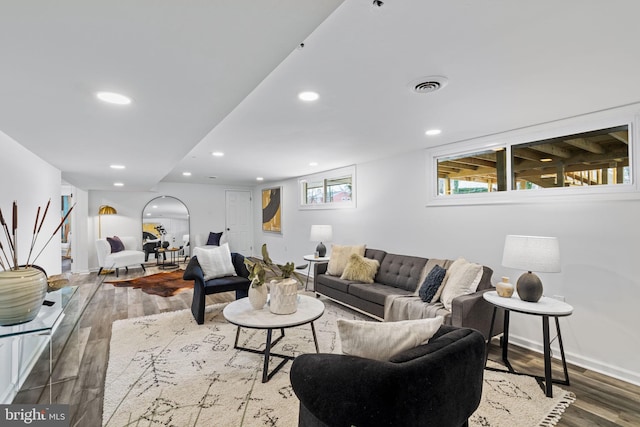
(382, 340)
(340, 257)
(215, 261)
(462, 278)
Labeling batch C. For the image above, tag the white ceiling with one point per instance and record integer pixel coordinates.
(224, 75)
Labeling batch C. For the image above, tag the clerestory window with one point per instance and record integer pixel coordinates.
(328, 190)
(599, 157)
(513, 165)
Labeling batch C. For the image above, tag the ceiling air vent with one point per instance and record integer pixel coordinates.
(428, 84)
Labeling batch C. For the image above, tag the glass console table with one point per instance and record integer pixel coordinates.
(26, 344)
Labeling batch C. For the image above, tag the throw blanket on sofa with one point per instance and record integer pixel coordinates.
(411, 307)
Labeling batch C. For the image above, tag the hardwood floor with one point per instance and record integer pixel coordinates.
(81, 350)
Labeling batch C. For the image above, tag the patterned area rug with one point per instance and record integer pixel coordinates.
(166, 370)
(164, 284)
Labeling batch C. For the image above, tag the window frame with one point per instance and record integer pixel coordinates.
(628, 116)
(324, 177)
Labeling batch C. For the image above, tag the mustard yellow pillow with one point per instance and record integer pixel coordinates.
(360, 269)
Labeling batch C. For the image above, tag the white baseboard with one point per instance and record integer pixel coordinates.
(578, 360)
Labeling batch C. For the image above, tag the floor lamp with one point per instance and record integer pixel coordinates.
(104, 210)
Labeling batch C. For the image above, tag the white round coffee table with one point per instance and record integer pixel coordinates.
(545, 307)
(243, 315)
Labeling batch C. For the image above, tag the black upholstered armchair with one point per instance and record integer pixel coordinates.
(201, 289)
(151, 248)
(435, 384)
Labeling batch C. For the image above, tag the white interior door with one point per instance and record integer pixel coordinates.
(238, 221)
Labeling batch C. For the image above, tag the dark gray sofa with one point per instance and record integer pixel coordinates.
(400, 275)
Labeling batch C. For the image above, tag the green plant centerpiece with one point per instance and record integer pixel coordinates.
(283, 284)
(262, 269)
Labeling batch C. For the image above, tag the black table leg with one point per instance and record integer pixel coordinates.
(493, 321)
(315, 338)
(547, 356)
(235, 344)
(505, 342)
(564, 361)
(267, 353)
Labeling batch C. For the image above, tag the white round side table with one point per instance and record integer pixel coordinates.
(545, 307)
(312, 259)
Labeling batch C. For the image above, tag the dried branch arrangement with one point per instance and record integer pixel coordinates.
(9, 255)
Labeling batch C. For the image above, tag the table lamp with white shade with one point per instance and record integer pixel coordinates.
(321, 233)
(531, 253)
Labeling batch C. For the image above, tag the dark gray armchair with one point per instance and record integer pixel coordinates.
(435, 384)
(201, 289)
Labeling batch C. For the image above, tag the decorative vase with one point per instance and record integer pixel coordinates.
(22, 292)
(284, 296)
(504, 288)
(258, 296)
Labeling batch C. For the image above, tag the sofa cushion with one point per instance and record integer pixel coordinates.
(334, 282)
(116, 244)
(340, 257)
(215, 262)
(432, 283)
(462, 278)
(401, 271)
(376, 254)
(382, 340)
(360, 269)
(375, 292)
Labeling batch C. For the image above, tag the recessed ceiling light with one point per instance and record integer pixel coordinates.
(186, 173)
(313, 164)
(117, 166)
(546, 160)
(217, 153)
(259, 178)
(113, 98)
(308, 96)
(432, 132)
(118, 184)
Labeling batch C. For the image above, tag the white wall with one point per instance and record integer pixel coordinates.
(600, 251)
(31, 182)
(206, 205)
